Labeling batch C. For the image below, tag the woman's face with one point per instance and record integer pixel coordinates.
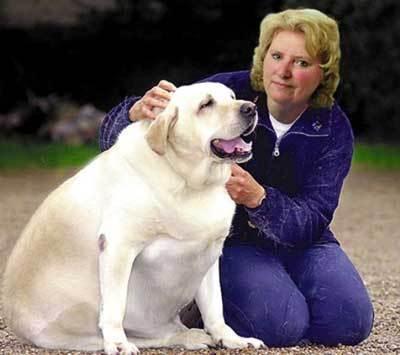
(290, 75)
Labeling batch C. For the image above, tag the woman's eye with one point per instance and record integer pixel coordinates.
(206, 104)
(276, 56)
(302, 63)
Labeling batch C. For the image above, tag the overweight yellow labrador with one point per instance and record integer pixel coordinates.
(113, 254)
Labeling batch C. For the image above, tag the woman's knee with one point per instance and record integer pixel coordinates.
(340, 308)
(260, 299)
(278, 322)
(344, 320)
(361, 325)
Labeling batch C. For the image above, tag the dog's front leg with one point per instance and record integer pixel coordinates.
(209, 301)
(116, 257)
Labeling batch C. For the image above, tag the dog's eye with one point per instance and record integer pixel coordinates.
(207, 103)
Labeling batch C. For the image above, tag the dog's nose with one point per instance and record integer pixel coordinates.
(248, 110)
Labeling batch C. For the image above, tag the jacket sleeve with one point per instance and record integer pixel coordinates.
(114, 122)
(300, 220)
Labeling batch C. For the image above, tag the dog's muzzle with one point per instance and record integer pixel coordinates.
(237, 149)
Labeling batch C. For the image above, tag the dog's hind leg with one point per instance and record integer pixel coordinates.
(191, 339)
(75, 328)
(66, 341)
(57, 337)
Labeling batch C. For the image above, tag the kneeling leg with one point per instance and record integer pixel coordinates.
(341, 311)
(259, 297)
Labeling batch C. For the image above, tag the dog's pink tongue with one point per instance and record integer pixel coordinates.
(230, 146)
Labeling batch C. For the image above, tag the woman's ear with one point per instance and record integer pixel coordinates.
(157, 134)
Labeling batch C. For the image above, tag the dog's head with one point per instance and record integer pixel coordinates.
(205, 120)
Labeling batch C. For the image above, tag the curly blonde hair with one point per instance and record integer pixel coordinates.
(322, 41)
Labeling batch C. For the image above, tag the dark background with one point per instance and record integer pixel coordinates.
(108, 49)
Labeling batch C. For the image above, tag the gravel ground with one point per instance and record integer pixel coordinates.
(367, 224)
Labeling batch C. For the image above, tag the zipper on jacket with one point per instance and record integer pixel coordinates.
(276, 152)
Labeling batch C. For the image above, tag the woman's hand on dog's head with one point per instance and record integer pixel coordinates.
(153, 101)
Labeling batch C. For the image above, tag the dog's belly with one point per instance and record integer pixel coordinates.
(165, 277)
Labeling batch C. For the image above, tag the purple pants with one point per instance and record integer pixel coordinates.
(282, 296)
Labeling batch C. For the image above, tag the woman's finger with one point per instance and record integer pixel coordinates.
(157, 91)
(236, 170)
(147, 112)
(154, 102)
(166, 85)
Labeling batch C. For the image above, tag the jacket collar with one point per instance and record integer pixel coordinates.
(312, 122)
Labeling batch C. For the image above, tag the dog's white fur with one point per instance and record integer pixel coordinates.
(113, 254)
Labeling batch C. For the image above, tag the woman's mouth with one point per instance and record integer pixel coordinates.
(282, 85)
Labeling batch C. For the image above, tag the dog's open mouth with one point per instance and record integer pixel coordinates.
(235, 149)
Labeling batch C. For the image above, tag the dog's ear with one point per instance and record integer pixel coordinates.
(157, 134)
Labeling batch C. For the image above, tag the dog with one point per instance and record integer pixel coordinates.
(112, 255)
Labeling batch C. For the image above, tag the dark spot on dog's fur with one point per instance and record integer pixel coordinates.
(102, 242)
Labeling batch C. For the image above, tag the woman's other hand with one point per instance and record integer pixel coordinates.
(153, 101)
(244, 189)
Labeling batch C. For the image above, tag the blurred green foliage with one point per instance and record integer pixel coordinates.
(17, 155)
(379, 156)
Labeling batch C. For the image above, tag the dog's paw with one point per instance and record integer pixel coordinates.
(237, 342)
(227, 338)
(194, 339)
(255, 343)
(121, 348)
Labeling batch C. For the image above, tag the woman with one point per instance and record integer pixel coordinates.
(284, 276)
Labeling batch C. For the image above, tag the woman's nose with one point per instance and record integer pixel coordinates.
(285, 69)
